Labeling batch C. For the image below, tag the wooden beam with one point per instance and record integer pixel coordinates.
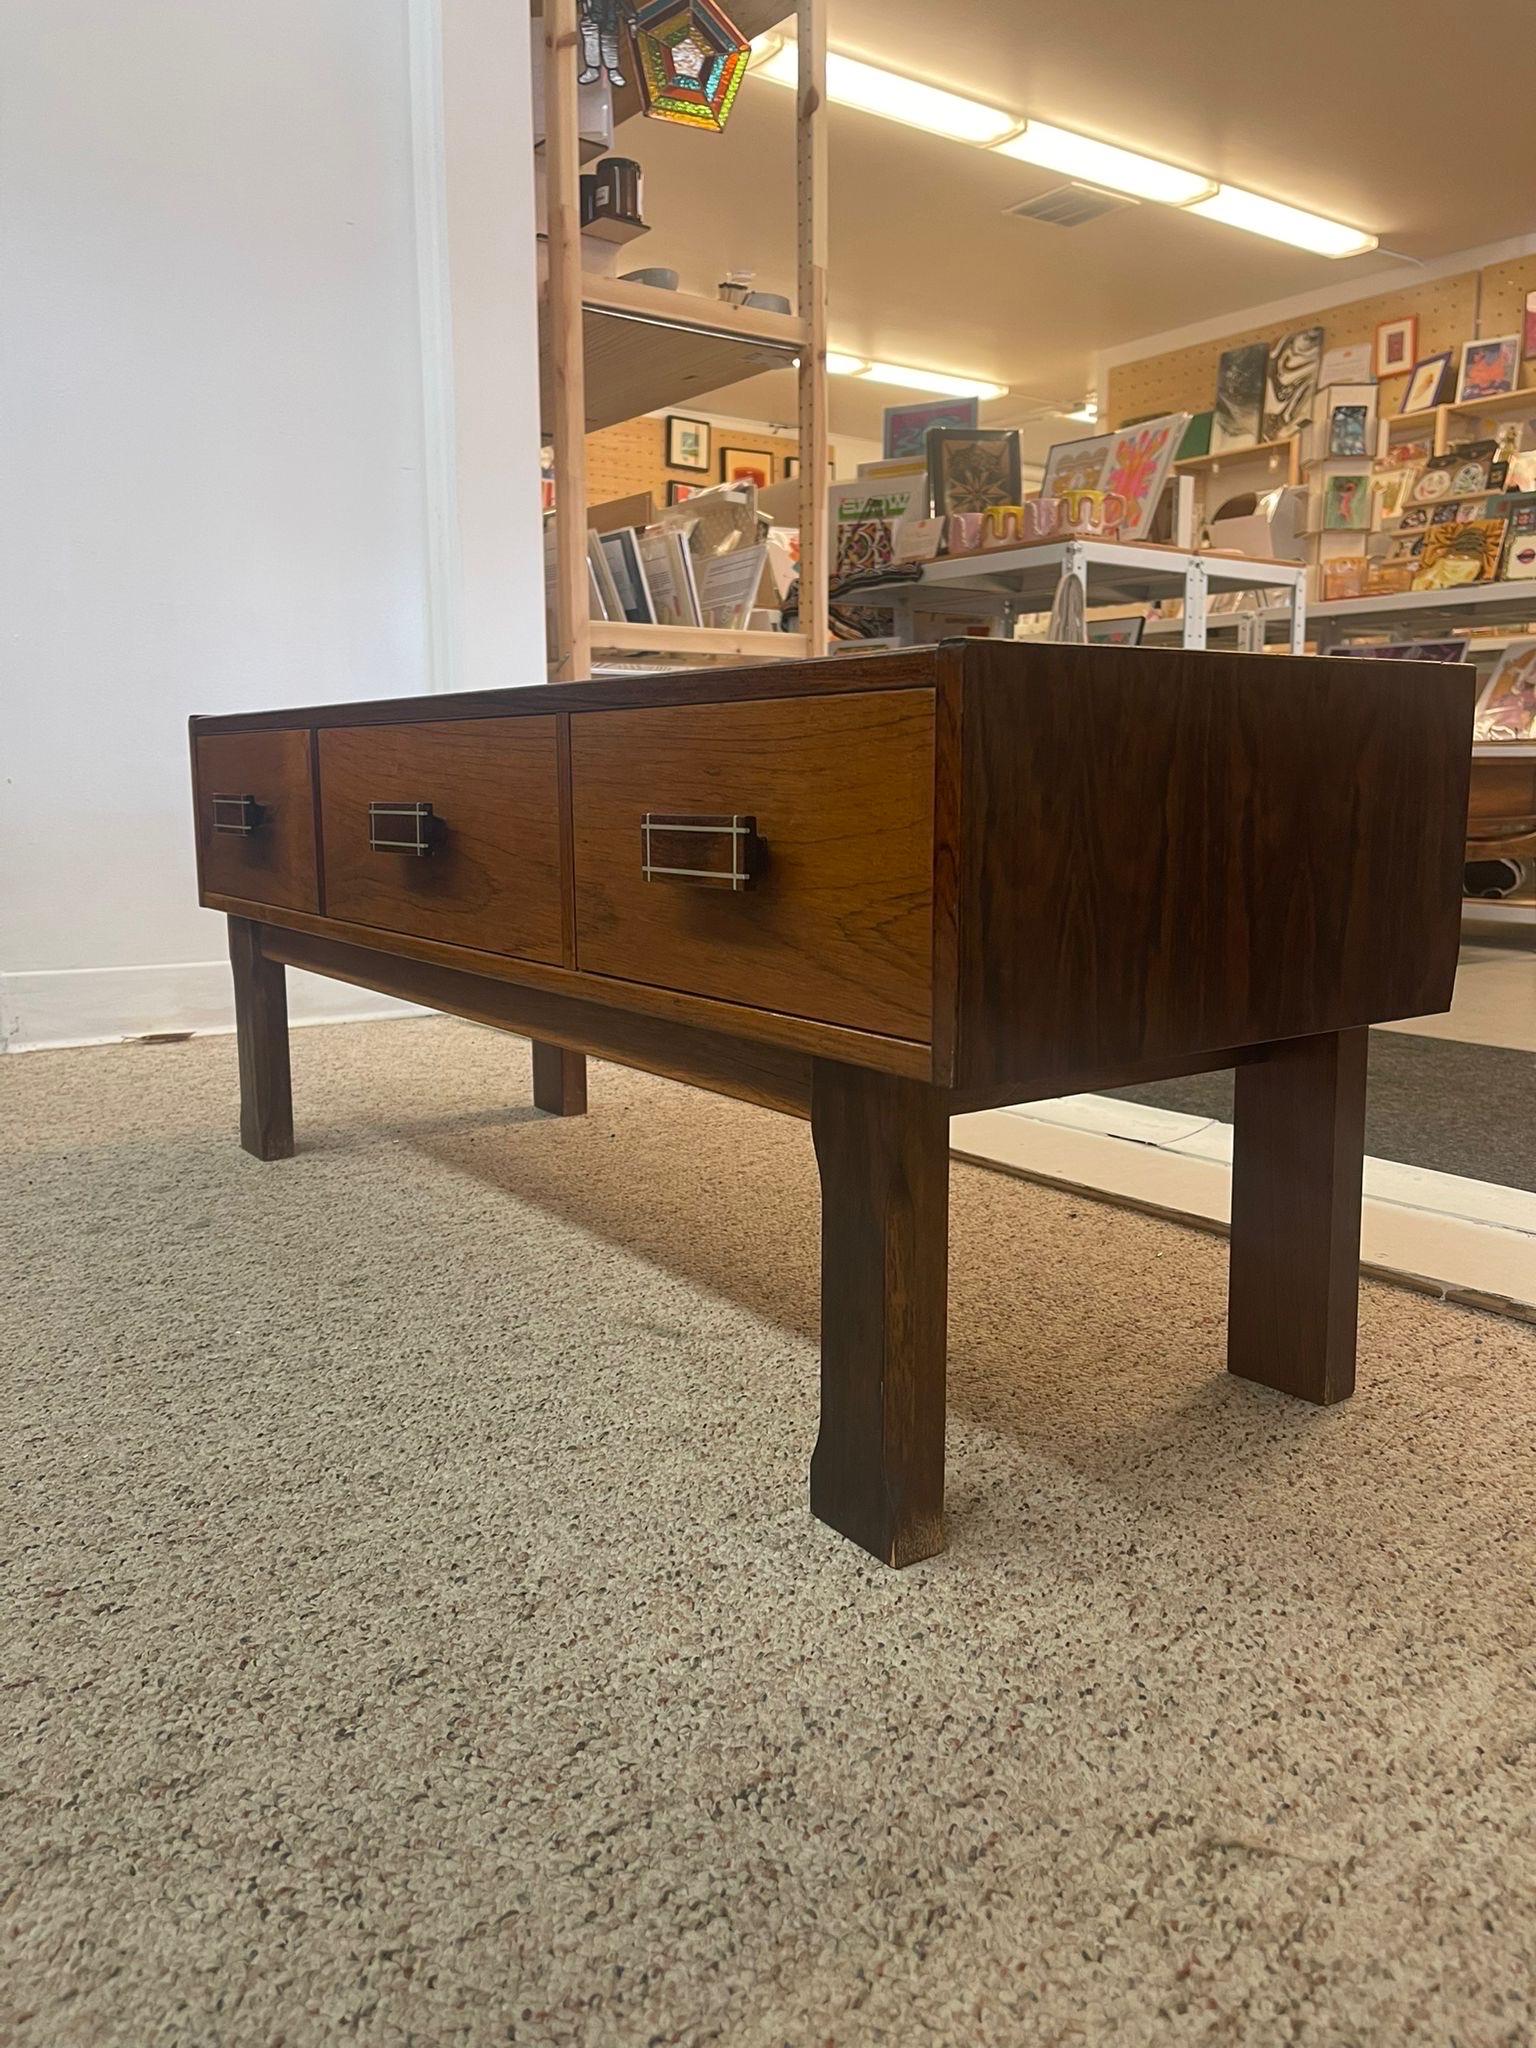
(570, 652)
(811, 222)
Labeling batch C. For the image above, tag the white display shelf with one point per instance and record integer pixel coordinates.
(1420, 612)
(1010, 582)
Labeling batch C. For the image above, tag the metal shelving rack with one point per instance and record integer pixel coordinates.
(610, 350)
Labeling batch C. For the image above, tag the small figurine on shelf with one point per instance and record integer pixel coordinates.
(602, 23)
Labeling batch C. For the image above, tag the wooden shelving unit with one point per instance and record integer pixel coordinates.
(1286, 451)
(611, 350)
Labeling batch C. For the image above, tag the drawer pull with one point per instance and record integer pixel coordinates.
(404, 828)
(702, 852)
(241, 815)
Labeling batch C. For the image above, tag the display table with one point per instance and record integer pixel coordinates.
(877, 892)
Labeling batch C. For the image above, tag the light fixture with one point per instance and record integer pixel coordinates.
(852, 83)
(1087, 412)
(1236, 208)
(906, 379)
(1101, 163)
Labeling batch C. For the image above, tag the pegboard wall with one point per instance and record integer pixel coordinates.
(1450, 310)
(632, 457)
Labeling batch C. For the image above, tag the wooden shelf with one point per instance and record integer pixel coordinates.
(1195, 463)
(1502, 401)
(699, 643)
(647, 348)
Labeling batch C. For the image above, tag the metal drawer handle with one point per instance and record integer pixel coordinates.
(701, 851)
(241, 815)
(404, 828)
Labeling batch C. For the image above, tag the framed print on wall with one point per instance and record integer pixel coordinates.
(679, 494)
(791, 467)
(906, 426)
(746, 466)
(1488, 368)
(971, 468)
(1426, 387)
(1397, 345)
(687, 443)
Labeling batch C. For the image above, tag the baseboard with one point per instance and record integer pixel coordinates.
(1465, 1240)
(100, 1005)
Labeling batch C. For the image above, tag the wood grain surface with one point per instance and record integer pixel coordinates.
(839, 924)
(277, 863)
(494, 882)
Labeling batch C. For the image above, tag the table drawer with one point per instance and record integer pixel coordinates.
(480, 797)
(834, 921)
(255, 797)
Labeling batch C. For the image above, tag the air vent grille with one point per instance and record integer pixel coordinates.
(1071, 206)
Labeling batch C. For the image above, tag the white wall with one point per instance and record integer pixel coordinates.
(229, 470)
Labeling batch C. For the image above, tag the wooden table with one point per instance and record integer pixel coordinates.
(877, 892)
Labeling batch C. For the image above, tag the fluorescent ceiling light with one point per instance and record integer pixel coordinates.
(1236, 208)
(933, 380)
(845, 366)
(852, 83)
(1101, 163)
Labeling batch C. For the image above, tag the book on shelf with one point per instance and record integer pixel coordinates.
(728, 586)
(667, 563)
(621, 549)
(600, 580)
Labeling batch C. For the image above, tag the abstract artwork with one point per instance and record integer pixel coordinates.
(1459, 552)
(906, 426)
(1488, 368)
(1347, 425)
(971, 468)
(1397, 343)
(746, 466)
(687, 442)
(1240, 380)
(1290, 383)
(1138, 468)
(1507, 708)
(1426, 387)
(1077, 465)
(692, 59)
(1347, 504)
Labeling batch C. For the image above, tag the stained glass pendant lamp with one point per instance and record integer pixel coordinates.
(692, 59)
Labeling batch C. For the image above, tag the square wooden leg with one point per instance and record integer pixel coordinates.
(261, 1029)
(877, 1474)
(559, 1080)
(1298, 1150)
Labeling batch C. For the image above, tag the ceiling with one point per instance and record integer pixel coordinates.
(1351, 112)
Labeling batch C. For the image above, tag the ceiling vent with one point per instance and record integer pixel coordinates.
(1071, 206)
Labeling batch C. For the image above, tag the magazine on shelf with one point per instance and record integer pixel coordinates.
(600, 576)
(668, 564)
(728, 586)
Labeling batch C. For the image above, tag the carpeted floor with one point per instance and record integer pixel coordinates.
(416, 1633)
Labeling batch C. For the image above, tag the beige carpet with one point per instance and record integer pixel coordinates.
(417, 1634)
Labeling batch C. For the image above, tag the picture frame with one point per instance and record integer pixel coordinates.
(1397, 346)
(621, 549)
(746, 465)
(1489, 369)
(1077, 465)
(1528, 341)
(791, 468)
(1507, 708)
(1459, 552)
(1241, 374)
(1392, 490)
(972, 468)
(1347, 503)
(679, 493)
(905, 427)
(688, 443)
(1426, 383)
(1117, 632)
(1140, 461)
(1349, 430)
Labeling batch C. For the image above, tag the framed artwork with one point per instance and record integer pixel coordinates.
(1347, 503)
(1342, 576)
(687, 443)
(1458, 552)
(1077, 465)
(1433, 482)
(1392, 492)
(971, 468)
(791, 467)
(1348, 426)
(1521, 475)
(1413, 650)
(1116, 632)
(679, 494)
(1507, 708)
(1240, 379)
(621, 550)
(1426, 384)
(1528, 339)
(1488, 368)
(1139, 461)
(1397, 346)
(1347, 365)
(1520, 552)
(1290, 383)
(746, 466)
(906, 426)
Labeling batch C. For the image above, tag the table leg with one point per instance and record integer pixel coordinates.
(877, 1473)
(261, 1030)
(559, 1080)
(1297, 1153)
